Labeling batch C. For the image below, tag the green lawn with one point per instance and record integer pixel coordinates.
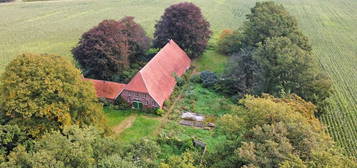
(141, 127)
(211, 61)
(55, 27)
(203, 101)
(114, 117)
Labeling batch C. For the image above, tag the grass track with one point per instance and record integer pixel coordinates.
(55, 27)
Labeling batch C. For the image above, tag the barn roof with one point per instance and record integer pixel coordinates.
(157, 77)
(107, 89)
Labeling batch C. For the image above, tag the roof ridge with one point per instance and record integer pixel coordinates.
(148, 92)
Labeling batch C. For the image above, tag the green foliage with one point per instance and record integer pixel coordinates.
(229, 42)
(267, 20)
(159, 112)
(143, 153)
(73, 147)
(204, 101)
(45, 92)
(10, 137)
(275, 58)
(269, 132)
(115, 161)
(186, 160)
(208, 79)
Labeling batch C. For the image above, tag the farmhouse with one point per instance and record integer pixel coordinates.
(153, 84)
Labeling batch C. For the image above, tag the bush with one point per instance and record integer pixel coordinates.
(183, 23)
(159, 112)
(209, 79)
(229, 42)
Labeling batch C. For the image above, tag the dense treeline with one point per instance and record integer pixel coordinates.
(271, 55)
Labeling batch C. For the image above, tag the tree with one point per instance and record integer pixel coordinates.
(287, 68)
(276, 132)
(183, 23)
(267, 20)
(73, 147)
(275, 58)
(139, 43)
(242, 75)
(106, 51)
(44, 92)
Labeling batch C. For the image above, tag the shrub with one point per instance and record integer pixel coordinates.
(229, 42)
(159, 112)
(44, 92)
(183, 23)
(209, 79)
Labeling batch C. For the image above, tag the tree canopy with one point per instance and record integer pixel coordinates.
(276, 132)
(275, 58)
(107, 50)
(185, 24)
(40, 92)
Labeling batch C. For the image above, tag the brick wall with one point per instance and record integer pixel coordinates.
(144, 98)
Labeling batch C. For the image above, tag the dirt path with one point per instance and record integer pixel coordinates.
(165, 118)
(127, 123)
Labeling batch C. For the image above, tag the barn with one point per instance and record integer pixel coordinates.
(154, 83)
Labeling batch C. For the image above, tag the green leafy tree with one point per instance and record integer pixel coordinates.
(185, 24)
(267, 20)
(276, 132)
(287, 68)
(73, 147)
(275, 58)
(185, 160)
(44, 92)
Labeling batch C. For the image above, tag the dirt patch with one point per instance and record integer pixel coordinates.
(127, 123)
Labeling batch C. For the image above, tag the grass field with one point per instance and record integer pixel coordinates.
(114, 117)
(142, 127)
(55, 27)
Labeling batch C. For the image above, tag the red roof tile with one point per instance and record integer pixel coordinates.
(107, 89)
(157, 77)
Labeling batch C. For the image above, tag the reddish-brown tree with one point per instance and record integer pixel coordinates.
(105, 51)
(184, 23)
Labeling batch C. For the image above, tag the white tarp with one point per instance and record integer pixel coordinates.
(192, 116)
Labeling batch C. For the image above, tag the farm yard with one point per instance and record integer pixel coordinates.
(55, 27)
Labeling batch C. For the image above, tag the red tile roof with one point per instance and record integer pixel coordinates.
(157, 77)
(107, 89)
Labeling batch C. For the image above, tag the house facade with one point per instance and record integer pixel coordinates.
(155, 82)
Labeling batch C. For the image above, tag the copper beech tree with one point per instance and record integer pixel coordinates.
(107, 50)
(185, 24)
